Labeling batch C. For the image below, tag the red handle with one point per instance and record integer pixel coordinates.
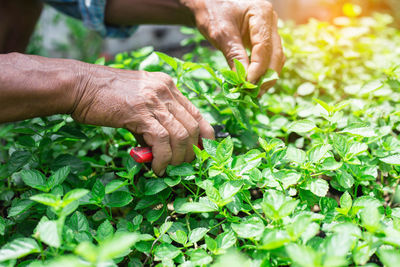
(141, 154)
(144, 154)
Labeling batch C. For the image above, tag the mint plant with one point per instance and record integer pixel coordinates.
(309, 176)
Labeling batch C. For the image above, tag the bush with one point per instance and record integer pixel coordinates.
(308, 178)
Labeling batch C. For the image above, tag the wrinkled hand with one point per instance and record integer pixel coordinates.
(147, 104)
(234, 25)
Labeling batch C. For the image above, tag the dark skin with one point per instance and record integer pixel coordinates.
(147, 104)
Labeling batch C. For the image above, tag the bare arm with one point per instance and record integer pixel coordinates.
(146, 103)
(17, 22)
(32, 86)
(232, 26)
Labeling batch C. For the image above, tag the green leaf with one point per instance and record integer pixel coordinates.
(211, 243)
(58, 177)
(165, 227)
(199, 257)
(287, 178)
(345, 180)
(296, 155)
(104, 231)
(230, 77)
(224, 150)
(302, 126)
(340, 144)
(392, 160)
(17, 160)
(117, 246)
(197, 234)
(249, 227)
(2, 226)
(226, 240)
(179, 236)
(371, 217)
(74, 194)
(317, 153)
(185, 169)
(336, 247)
(302, 255)
(19, 206)
(169, 60)
(389, 256)
(356, 149)
(26, 140)
(154, 186)
(154, 215)
(49, 233)
(78, 222)
(274, 239)
(325, 105)
(198, 207)
(306, 89)
(171, 182)
(229, 189)
(330, 164)
(210, 146)
(47, 199)
(166, 251)
(318, 187)
(346, 202)
(240, 70)
(34, 179)
(362, 131)
(18, 248)
(299, 225)
(98, 191)
(287, 208)
(114, 185)
(119, 199)
(270, 75)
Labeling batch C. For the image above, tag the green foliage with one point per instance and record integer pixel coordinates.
(309, 177)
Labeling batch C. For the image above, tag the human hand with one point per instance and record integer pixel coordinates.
(146, 103)
(234, 25)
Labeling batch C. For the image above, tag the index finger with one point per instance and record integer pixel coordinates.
(205, 129)
(157, 137)
(261, 42)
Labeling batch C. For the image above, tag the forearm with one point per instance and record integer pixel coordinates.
(33, 86)
(131, 12)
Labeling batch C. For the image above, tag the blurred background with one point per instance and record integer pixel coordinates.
(60, 36)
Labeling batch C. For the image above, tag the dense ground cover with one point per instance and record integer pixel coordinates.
(308, 178)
